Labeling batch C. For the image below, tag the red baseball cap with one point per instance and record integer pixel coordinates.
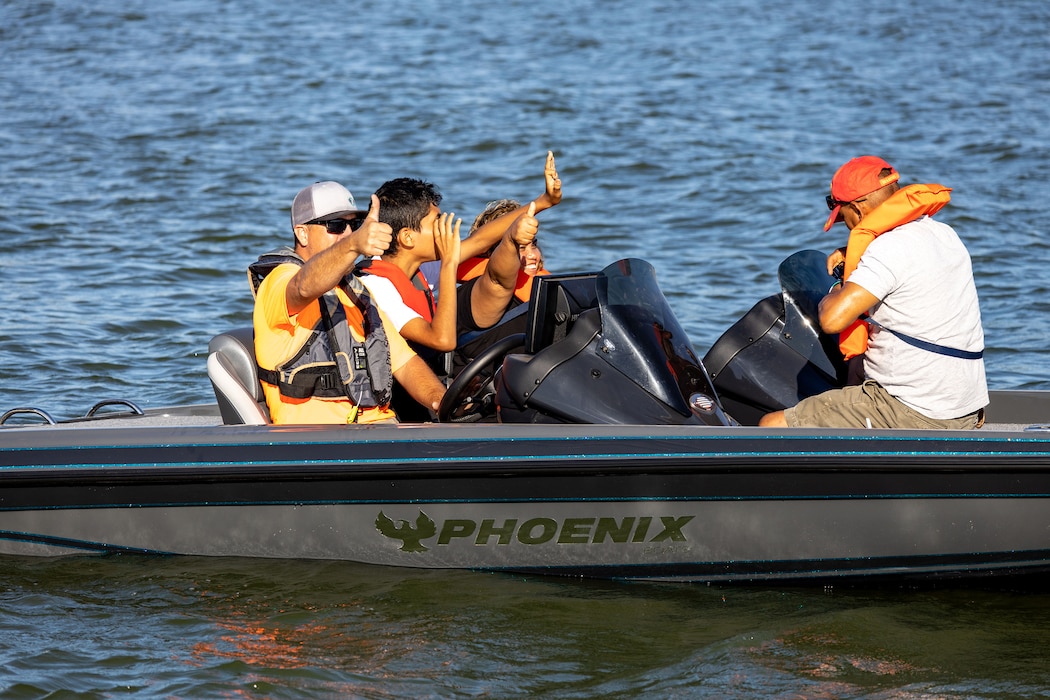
(855, 179)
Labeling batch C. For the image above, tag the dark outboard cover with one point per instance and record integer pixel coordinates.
(776, 354)
(615, 353)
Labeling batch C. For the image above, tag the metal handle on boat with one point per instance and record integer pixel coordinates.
(31, 411)
(132, 408)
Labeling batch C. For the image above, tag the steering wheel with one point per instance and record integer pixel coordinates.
(466, 390)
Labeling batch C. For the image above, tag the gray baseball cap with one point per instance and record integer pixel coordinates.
(323, 201)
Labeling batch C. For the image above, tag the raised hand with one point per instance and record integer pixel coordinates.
(552, 195)
(373, 237)
(446, 238)
(523, 230)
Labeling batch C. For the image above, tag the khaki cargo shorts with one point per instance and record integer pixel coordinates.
(869, 406)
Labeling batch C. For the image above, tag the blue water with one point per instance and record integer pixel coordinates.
(149, 151)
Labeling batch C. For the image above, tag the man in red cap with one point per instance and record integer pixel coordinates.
(907, 309)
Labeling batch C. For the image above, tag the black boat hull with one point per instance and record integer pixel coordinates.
(638, 502)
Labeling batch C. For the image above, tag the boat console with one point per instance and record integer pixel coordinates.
(556, 303)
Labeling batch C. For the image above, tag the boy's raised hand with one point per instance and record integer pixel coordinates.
(446, 238)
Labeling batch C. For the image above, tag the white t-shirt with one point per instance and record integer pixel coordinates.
(921, 271)
(387, 298)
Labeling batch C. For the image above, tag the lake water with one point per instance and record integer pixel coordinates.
(149, 151)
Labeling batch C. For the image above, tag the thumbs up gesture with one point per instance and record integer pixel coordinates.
(373, 237)
(523, 230)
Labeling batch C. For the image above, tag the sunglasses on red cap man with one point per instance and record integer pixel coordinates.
(857, 178)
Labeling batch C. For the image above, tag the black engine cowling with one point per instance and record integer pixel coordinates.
(605, 348)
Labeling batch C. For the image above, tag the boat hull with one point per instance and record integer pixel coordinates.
(639, 502)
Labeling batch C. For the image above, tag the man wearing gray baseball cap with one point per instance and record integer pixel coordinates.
(326, 354)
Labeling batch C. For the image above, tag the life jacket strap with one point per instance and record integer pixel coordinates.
(932, 347)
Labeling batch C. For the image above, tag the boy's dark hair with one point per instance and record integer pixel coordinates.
(403, 202)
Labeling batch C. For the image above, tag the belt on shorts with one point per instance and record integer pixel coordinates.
(977, 415)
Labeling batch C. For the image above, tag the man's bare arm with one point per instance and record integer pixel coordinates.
(324, 271)
(420, 382)
(844, 305)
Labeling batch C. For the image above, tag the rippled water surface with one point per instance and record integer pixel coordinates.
(149, 151)
(190, 627)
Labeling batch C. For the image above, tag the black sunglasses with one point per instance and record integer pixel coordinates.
(832, 202)
(337, 226)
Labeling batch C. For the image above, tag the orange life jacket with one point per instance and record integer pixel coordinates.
(903, 206)
(419, 300)
(474, 267)
(471, 268)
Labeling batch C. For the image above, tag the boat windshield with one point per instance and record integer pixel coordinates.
(641, 336)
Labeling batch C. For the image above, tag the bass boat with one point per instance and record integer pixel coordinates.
(595, 444)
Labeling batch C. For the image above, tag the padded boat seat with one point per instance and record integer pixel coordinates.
(233, 375)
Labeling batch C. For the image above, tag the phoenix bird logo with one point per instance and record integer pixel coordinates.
(402, 530)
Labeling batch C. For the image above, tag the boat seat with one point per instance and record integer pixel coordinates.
(233, 375)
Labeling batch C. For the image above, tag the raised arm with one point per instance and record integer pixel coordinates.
(323, 271)
(493, 290)
(482, 240)
(440, 333)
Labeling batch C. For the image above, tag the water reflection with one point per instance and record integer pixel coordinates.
(335, 627)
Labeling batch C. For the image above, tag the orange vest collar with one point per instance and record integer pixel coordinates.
(415, 298)
(473, 267)
(904, 206)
